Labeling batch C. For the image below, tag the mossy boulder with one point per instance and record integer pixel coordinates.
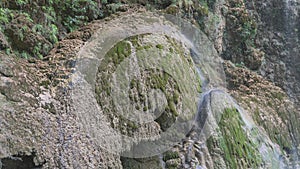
(143, 64)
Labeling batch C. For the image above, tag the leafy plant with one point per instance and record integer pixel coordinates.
(37, 50)
(249, 32)
(78, 12)
(21, 2)
(50, 19)
(25, 55)
(5, 17)
(170, 155)
(53, 33)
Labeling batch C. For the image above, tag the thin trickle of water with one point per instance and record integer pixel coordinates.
(198, 167)
(212, 86)
(202, 78)
(207, 109)
(162, 162)
(291, 13)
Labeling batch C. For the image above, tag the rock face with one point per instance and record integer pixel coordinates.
(37, 129)
(143, 90)
(281, 44)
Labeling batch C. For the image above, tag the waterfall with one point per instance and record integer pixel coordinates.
(292, 61)
(208, 116)
(291, 15)
(162, 162)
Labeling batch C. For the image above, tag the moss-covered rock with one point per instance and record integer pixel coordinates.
(239, 150)
(267, 104)
(144, 52)
(235, 143)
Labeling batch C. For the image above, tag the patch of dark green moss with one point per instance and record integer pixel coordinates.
(114, 56)
(235, 143)
(132, 125)
(127, 127)
(156, 79)
(109, 64)
(119, 52)
(176, 48)
(176, 97)
(159, 46)
(136, 40)
(141, 163)
(45, 83)
(172, 159)
(210, 142)
(170, 155)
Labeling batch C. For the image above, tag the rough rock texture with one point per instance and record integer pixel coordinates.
(268, 105)
(279, 38)
(35, 120)
(273, 39)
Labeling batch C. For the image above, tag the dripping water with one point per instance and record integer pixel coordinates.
(291, 14)
(162, 162)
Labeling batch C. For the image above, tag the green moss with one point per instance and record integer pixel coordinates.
(45, 83)
(170, 155)
(278, 95)
(160, 82)
(142, 97)
(113, 57)
(172, 9)
(210, 144)
(199, 85)
(176, 97)
(159, 46)
(139, 88)
(138, 107)
(119, 52)
(172, 108)
(235, 143)
(282, 141)
(132, 83)
(202, 10)
(156, 79)
(145, 47)
(132, 125)
(136, 42)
